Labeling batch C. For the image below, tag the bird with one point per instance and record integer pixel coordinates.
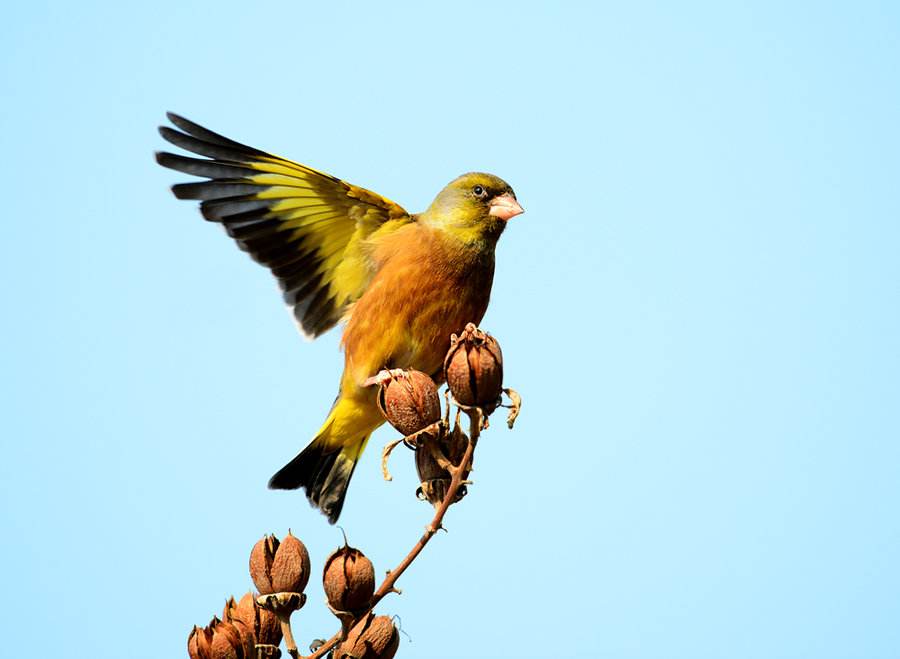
(400, 283)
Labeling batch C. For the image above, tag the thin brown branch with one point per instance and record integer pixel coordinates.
(476, 420)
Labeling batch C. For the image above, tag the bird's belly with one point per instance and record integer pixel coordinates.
(405, 321)
(430, 328)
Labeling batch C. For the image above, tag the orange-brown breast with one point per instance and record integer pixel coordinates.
(429, 285)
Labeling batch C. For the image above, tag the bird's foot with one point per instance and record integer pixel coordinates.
(385, 376)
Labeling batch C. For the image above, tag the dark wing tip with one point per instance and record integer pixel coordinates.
(183, 191)
(198, 132)
(186, 125)
(171, 135)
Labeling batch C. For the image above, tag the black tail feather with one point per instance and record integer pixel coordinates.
(323, 472)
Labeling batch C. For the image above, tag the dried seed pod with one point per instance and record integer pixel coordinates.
(410, 402)
(473, 368)
(374, 637)
(266, 627)
(218, 640)
(245, 628)
(291, 568)
(262, 624)
(349, 579)
(199, 642)
(279, 567)
(229, 610)
(227, 642)
(435, 479)
(261, 557)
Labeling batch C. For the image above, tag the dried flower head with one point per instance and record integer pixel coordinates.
(374, 637)
(279, 567)
(473, 368)
(349, 579)
(410, 402)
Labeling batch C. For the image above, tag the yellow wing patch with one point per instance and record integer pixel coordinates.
(309, 228)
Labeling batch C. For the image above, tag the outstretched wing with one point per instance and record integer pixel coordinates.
(309, 228)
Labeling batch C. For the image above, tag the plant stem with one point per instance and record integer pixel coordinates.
(289, 643)
(476, 418)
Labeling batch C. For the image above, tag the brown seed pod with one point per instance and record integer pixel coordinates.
(263, 625)
(245, 628)
(435, 479)
(227, 642)
(291, 568)
(218, 640)
(410, 402)
(261, 557)
(279, 567)
(349, 579)
(199, 642)
(473, 368)
(374, 637)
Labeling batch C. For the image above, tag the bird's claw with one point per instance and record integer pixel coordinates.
(385, 376)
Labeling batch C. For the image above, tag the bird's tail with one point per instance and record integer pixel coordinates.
(324, 467)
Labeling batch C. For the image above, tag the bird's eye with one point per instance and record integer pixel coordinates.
(478, 191)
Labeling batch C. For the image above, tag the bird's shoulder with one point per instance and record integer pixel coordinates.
(418, 241)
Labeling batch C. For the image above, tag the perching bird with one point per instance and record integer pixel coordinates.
(402, 283)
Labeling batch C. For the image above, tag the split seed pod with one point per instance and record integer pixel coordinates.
(473, 368)
(199, 642)
(349, 579)
(410, 402)
(218, 640)
(245, 630)
(263, 625)
(279, 567)
(435, 479)
(374, 637)
(227, 642)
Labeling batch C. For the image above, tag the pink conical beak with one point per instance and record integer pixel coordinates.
(505, 207)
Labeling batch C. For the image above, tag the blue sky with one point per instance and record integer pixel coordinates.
(699, 307)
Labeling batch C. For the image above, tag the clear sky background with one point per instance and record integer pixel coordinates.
(699, 307)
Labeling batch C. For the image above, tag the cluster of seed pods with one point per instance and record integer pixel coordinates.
(253, 627)
(280, 571)
(409, 400)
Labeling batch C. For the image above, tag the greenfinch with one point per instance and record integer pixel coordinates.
(400, 282)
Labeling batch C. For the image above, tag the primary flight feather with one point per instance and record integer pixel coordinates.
(401, 283)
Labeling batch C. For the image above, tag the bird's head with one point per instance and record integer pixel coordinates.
(475, 206)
